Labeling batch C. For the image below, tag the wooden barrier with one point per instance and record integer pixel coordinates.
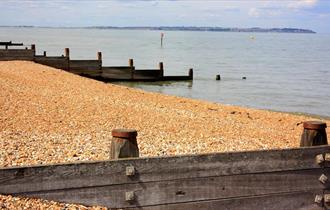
(234, 180)
(117, 73)
(91, 68)
(59, 62)
(16, 54)
(148, 74)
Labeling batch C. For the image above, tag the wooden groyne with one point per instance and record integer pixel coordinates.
(270, 179)
(89, 68)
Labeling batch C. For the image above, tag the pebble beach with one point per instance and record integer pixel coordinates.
(51, 116)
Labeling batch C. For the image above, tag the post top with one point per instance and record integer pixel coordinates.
(315, 125)
(124, 133)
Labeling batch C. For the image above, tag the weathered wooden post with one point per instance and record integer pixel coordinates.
(124, 144)
(45, 53)
(33, 47)
(99, 56)
(191, 73)
(161, 69)
(314, 134)
(67, 52)
(67, 55)
(131, 64)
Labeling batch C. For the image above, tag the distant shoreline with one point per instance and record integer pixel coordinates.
(185, 28)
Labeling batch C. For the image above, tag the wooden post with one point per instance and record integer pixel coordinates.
(67, 52)
(191, 73)
(161, 39)
(218, 77)
(45, 53)
(6, 47)
(67, 55)
(131, 64)
(124, 144)
(161, 69)
(99, 56)
(33, 47)
(314, 134)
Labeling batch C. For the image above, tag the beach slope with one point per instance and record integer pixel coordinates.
(51, 116)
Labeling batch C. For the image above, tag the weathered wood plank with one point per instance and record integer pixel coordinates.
(16, 54)
(287, 201)
(85, 174)
(79, 64)
(59, 62)
(89, 68)
(177, 78)
(187, 190)
(109, 68)
(147, 74)
(117, 72)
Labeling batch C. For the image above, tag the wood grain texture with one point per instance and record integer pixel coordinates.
(287, 201)
(188, 190)
(87, 174)
(123, 148)
(311, 137)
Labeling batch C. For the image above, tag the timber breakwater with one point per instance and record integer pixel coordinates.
(89, 68)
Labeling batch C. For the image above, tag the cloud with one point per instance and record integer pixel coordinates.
(302, 4)
(253, 12)
(312, 14)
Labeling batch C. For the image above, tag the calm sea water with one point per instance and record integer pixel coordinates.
(285, 72)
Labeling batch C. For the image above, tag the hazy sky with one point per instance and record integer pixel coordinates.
(310, 14)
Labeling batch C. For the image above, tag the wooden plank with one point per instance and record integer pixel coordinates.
(287, 201)
(16, 54)
(87, 64)
(86, 174)
(59, 62)
(176, 78)
(188, 190)
(147, 74)
(89, 68)
(109, 68)
(117, 72)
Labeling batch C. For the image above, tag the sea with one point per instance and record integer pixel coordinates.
(284, 72)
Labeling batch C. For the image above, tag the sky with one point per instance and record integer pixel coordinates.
(308, 14)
